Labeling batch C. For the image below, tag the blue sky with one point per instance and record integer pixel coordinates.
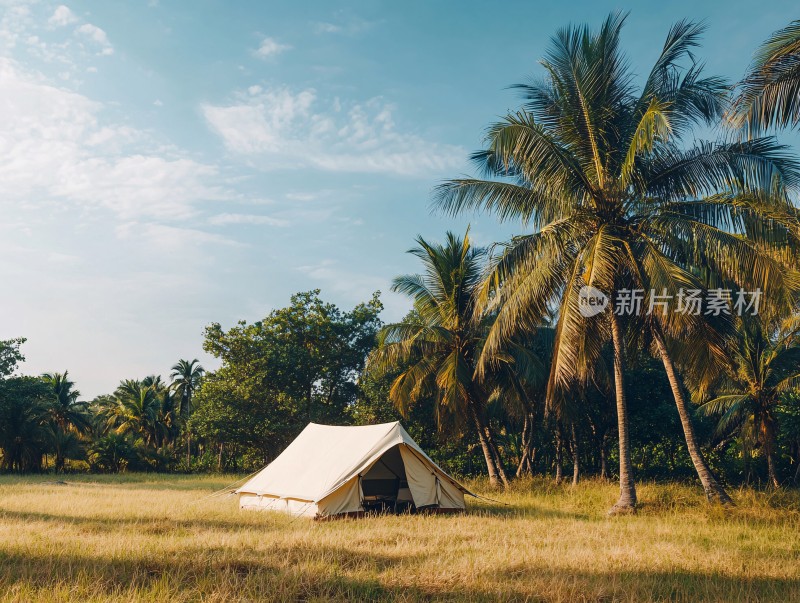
(166, 164)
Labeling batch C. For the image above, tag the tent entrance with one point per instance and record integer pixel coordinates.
(384, 487)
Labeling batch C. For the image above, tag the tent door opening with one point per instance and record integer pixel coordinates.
(384, 487)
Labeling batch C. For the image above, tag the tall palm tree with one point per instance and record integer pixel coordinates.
(764, 366)
(769, 95)
(186, 376)
(438, 345)
(617, 202)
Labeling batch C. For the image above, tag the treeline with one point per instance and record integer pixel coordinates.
(308, 362)
(45, 426)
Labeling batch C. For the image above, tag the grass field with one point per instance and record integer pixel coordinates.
(157, 538)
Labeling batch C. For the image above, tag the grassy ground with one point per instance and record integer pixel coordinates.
(146, 538)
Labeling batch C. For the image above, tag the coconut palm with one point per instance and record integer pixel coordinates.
(617, 202)
(134, 409)
(769, 95)
(439, 343)
(764, 366)
(69, 417)
(64, 444)
(67, 412)
(186, 376)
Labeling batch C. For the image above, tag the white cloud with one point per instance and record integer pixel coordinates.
(288, 129)
(62, 16)
(98, 36)
(269, 48)
(356, 286)
(170, 239)
(345, 24)
(227, 219)
(323, 27)
(54, 148)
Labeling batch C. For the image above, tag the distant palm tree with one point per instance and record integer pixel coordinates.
(769, 95)
(764, 366)
(65, 445)
(67, 412)
(69, 417)
(134, 409)
(617, 203)
(186, 376)
(438, 344)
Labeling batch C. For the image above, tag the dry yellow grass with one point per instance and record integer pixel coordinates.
(155, 538)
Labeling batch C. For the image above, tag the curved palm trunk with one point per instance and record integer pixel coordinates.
(714, 491)
(769, 450)
(498, 461)
(559, 455)
(491, 468)
(627, 489)
(526, 456)
(575, 458)
(603, 459)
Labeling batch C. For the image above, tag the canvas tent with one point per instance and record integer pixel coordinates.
(331, 470)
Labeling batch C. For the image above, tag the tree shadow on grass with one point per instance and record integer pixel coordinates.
(342, 574)
(148, 524)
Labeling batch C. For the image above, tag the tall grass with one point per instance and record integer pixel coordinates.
(146, 538)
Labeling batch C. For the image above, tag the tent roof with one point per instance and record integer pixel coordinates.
(324, 457)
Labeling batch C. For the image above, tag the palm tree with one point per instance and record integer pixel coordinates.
(68, 416)
(134, 409)
(764, 366)
(186, 376)
(769, 95)
(616, 202)
(67, 412)
(438, 344)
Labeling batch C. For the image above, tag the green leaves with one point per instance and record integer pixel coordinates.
(769, 94)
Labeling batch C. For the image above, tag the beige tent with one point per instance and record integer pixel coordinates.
(331, 471)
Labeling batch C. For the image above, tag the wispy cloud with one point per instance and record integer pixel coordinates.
(270, 47)
(54, 148)
(97, 36)
(296, 129)
(343, 23)
(228, 219)
(355, 286)
(62, 16)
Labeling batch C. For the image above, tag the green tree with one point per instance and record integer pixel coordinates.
(134, 409)
(10, 356)
(764, 366)
(439, 343)
(186, 376)
(68, 416)
(769, 95)
(24, 412)
(299, 364)
(112, 453)
(617, 202)
(67, 411)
